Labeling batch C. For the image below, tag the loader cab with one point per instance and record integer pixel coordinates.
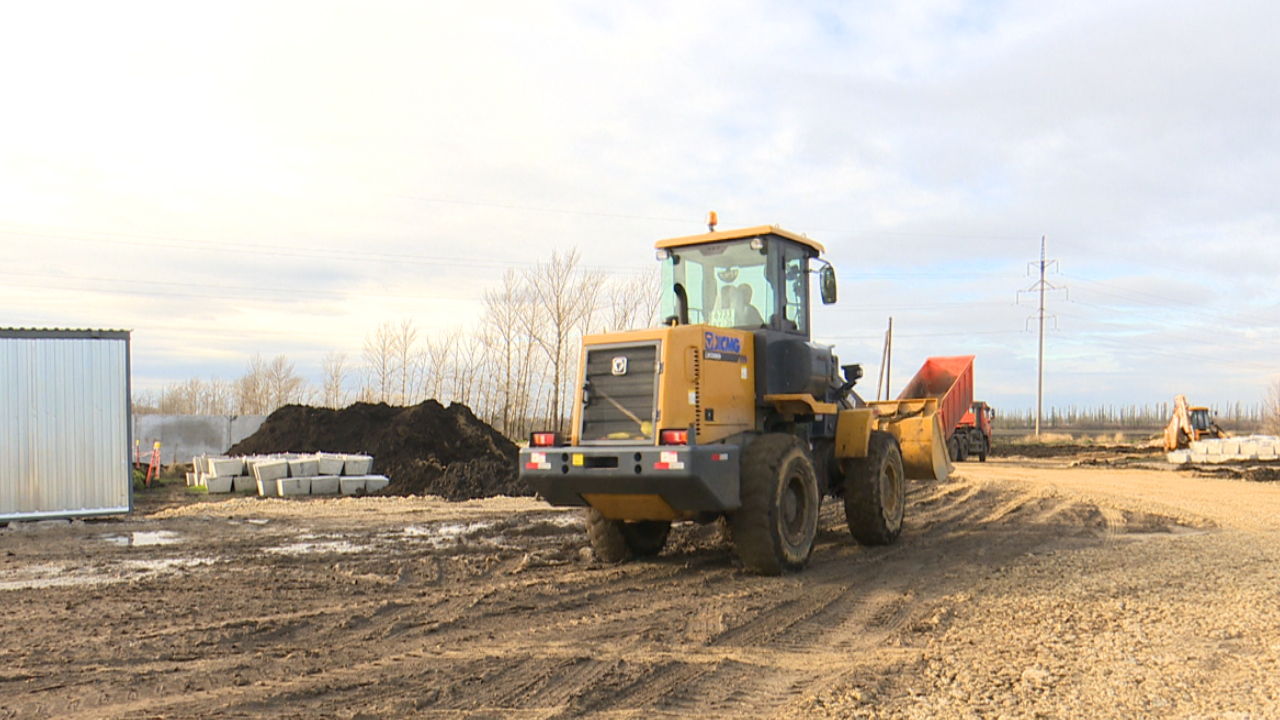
(752, 279)
(1200, 419)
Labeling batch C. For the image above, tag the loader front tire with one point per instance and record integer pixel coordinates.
(614, 541)
(875, 492)
(774, 529)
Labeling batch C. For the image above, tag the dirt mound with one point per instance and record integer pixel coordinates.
(424, 449)
(1036, 451)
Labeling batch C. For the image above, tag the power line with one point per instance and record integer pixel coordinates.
(1041, 287)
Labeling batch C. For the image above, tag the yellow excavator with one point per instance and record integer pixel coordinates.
(1189, 424)
(729, 410)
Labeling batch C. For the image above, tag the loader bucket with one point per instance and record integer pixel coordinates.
(916, 426)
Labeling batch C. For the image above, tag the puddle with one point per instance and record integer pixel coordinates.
(340, 547)
(487, 533)
(144, 538)
(49, 575)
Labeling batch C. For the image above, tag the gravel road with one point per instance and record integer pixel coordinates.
(1019, 589)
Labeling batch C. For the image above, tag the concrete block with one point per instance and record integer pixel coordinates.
(193, 479)
(269, 470)
(304, 467)
(226, 467)
(1180, 456)
(1217, 459)
(1249, 449)
(1212, 447)
(295, 486)
(244, 483)
(269, 488)
(326, 485)
(357, 465)
(1230, 447)
(219, 484)
(373, 483)
(1199, 457)
(331, 464)
(351, 485)
(1198, 446)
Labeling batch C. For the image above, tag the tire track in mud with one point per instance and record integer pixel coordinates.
(874, 596)
(686, 633)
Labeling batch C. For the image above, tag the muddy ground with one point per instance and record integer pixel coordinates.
(1020, 589)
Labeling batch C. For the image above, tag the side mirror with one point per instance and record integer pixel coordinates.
(827, 280)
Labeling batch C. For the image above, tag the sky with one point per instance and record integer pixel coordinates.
(226, 179)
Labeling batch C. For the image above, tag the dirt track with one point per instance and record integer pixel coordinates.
(1016, 591)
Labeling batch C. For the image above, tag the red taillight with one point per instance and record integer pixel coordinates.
(544, 439)
(674, 437)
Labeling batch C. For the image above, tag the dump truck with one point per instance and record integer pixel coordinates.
(973, 434)
(1188, 424)
(730, 412)
(942, 388)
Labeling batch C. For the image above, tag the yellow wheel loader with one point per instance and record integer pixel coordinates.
(729, 410)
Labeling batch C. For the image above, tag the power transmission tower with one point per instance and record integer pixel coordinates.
(1041, 287)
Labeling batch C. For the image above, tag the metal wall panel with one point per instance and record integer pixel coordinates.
(64, 424)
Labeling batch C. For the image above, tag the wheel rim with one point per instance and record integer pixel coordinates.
(794, 510)
(891, 493)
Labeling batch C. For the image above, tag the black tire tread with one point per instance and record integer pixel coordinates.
(615, 541)
(862, 501)
(751, 527)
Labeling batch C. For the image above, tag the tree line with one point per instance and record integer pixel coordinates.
(515, 368)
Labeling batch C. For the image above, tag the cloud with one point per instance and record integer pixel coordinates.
(299, 173)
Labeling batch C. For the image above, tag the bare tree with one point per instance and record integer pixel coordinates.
(633, 301)
(146, 402)
(567, 297)
(252, 391)
(436, 359)
(380, 362)
(505, 330)
(334, 370)
(217, 395)
(402, 345)
(283, 386)
(466, 364)
(1271, 409)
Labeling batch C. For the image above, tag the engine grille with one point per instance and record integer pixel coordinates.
(620, 405)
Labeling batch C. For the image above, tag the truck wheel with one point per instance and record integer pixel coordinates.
(963, 446)
(875, 492)
(775, 527)
(614, 540)
(985, 451)
(647, 537)
(953, 448)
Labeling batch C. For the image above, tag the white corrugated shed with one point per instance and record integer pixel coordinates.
(64, 423)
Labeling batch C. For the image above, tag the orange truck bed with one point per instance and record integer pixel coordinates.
(950, 379)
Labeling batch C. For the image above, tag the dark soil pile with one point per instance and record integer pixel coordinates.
(426, 449)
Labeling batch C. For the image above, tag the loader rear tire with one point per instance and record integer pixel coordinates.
(615, 540)
(774, 529)
(875, 492)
